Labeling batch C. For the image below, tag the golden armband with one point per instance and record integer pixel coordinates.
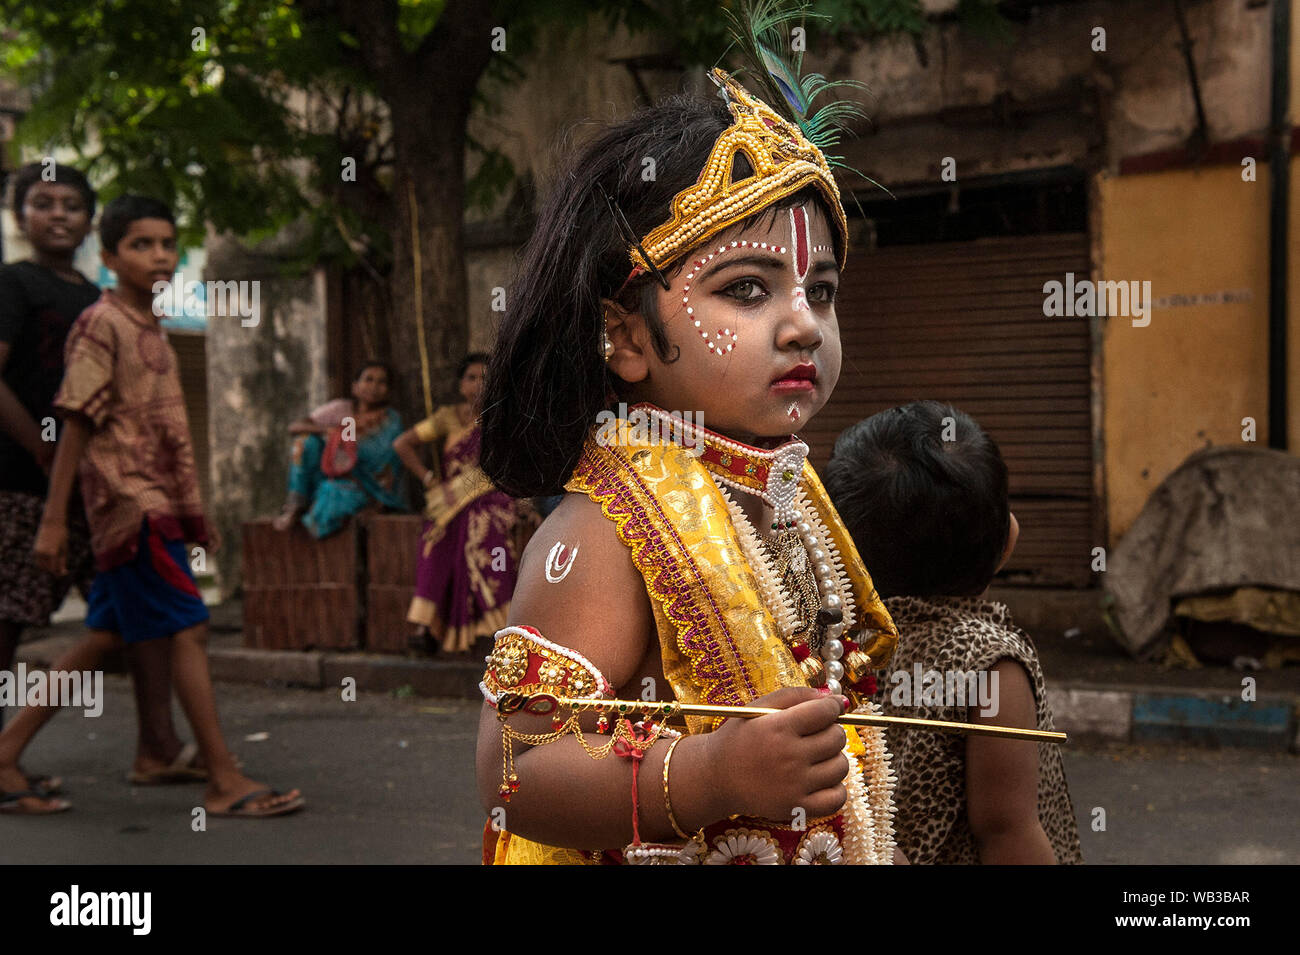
(528, 673)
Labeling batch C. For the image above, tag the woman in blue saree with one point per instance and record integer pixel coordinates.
(343, 458)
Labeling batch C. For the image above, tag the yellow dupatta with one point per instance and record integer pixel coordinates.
(718, 641)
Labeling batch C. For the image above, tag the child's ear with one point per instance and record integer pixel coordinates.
(1013, 535)
(626, 332)
(108, 257)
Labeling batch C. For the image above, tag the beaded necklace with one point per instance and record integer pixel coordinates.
(800, 574)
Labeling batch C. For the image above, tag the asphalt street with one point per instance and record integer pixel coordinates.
(389, 780)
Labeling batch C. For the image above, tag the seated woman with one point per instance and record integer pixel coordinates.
(465, 568)
(343, 460)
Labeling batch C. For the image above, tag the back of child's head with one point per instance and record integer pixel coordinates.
(922, 491)
(35, 172)
(119, 213)
(547, 378)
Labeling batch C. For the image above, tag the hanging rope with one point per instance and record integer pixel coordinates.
(419, 297)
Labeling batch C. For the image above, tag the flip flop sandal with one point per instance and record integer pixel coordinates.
(10, 805)
(237, 809)
(181, 770)
(46, 785)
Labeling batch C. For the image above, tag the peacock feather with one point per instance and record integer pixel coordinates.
(762, 30)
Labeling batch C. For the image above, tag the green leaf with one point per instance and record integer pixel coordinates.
(416, 20)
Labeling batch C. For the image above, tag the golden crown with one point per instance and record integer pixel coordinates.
(783, 161)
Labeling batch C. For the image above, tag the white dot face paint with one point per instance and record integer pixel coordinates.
(560, 561)
(724, 339)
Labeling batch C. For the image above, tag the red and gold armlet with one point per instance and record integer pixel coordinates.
(528, 673)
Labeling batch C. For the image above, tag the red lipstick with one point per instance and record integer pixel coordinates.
(800, 378)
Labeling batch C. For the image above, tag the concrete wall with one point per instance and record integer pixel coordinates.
(567, 88)
(260, 379)
(488, 269)
(1047, 97)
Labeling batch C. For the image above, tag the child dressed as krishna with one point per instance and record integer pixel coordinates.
(686, 565)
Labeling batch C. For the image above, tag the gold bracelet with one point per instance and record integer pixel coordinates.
(668, 800)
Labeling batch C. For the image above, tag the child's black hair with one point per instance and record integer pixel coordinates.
(922, 490)
(547, 378)
(32, 173)
(122, 211)
(473, 358)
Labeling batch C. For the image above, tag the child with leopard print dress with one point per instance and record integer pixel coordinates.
(923, 492)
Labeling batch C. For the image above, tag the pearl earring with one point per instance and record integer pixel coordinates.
(607, 346)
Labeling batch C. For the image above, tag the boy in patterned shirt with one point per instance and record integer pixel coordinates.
(125, 431)
(923, 491)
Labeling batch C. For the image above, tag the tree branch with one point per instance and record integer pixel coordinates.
(374, 24)
(325, 13)
(463, 32)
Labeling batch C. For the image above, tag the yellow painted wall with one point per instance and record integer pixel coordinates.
(1188, 378)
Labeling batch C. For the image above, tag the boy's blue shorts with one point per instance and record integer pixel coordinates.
(153, 595)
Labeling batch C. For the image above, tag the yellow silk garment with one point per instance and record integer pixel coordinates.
(719, 643)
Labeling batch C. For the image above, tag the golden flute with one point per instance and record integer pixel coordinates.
(542, 704)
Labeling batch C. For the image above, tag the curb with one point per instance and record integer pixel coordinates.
(1143, 714)
(1110, 713)
(373, 672)
(1127, 714)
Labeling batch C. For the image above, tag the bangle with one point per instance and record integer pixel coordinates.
(668, 801)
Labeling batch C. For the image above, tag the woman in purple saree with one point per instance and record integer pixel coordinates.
(465, 566)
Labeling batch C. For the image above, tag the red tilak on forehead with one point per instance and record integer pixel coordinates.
(799, 239)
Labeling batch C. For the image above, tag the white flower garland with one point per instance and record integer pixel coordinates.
(880, 793)
(770, 591)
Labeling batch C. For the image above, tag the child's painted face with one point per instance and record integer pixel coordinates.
(754, 318)
(146, 255)
(471, 383)
(372, 386)
(54, 218)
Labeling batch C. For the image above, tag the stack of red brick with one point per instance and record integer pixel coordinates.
(346, 592)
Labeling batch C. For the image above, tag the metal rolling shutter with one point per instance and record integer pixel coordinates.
(963, 323)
